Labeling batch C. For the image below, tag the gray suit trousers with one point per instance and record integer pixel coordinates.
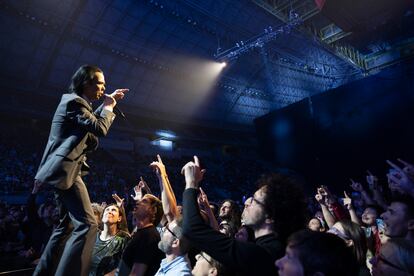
(69, 249)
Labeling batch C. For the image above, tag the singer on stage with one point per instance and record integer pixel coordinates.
(74, 133)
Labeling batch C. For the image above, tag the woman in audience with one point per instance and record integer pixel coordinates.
(315, 225)
(229, 217)
(315, 253)
(110, 242)
(354, 237)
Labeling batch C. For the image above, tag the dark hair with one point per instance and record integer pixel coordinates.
(408, 201)
(322, 252)
(156, 203)
(123, 224)
(222, 270)
(357, 235)
(378, 209)
(235, 215)
(284, 203)
(82, 76)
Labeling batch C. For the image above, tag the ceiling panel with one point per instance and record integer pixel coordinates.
(157, 47)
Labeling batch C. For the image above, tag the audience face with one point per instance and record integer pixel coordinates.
(204, 265)
(143, 208)
(111, 215)
(180, 209)
(387, 263)
(167, 238)
(225, 209)
(48, 211)
(290, 265)
(254, 213)
(315, 225)
(369, 216)
(395, 220)
(315, 253)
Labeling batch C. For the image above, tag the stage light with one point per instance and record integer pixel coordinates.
(223, 64)
(165, 134)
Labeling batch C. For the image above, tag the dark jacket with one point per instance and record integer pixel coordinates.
(74, 131)
(244, 258)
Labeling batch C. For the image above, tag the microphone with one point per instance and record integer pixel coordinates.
(119, 112)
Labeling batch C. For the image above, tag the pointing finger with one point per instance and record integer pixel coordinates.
(393, 165)
(196, 161)
(159, 158)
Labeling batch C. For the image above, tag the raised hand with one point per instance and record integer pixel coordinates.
(193, 173)
(119, 94)
(356, 186)
(142, 185)
(321, 195)
(159, 167)
(347, 201)
(408, 168)
(400, 180)
(119, 201)
(203, 199)
(319, 199)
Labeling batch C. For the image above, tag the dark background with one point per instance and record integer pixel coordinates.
(335, 136)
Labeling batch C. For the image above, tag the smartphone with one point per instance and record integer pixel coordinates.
(341, 200)
(380, 225)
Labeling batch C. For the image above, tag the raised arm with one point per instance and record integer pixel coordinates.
(377, 195)
(169, 202)
(401, 179)
(138, 189)
(231, 253)
(327, 215)
(120, 203)
(205, 204)
(359, 188)
(352, 213)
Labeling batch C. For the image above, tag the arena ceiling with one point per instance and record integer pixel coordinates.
(169, 52)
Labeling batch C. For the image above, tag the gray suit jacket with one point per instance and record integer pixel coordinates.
(74, 131)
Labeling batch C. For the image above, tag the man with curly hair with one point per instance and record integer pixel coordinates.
(276, 210)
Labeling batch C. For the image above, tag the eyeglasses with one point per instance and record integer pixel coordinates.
(205, 258)
(251, 199)
(169, 230)
(378, 258)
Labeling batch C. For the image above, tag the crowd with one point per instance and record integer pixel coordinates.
(158, 219)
